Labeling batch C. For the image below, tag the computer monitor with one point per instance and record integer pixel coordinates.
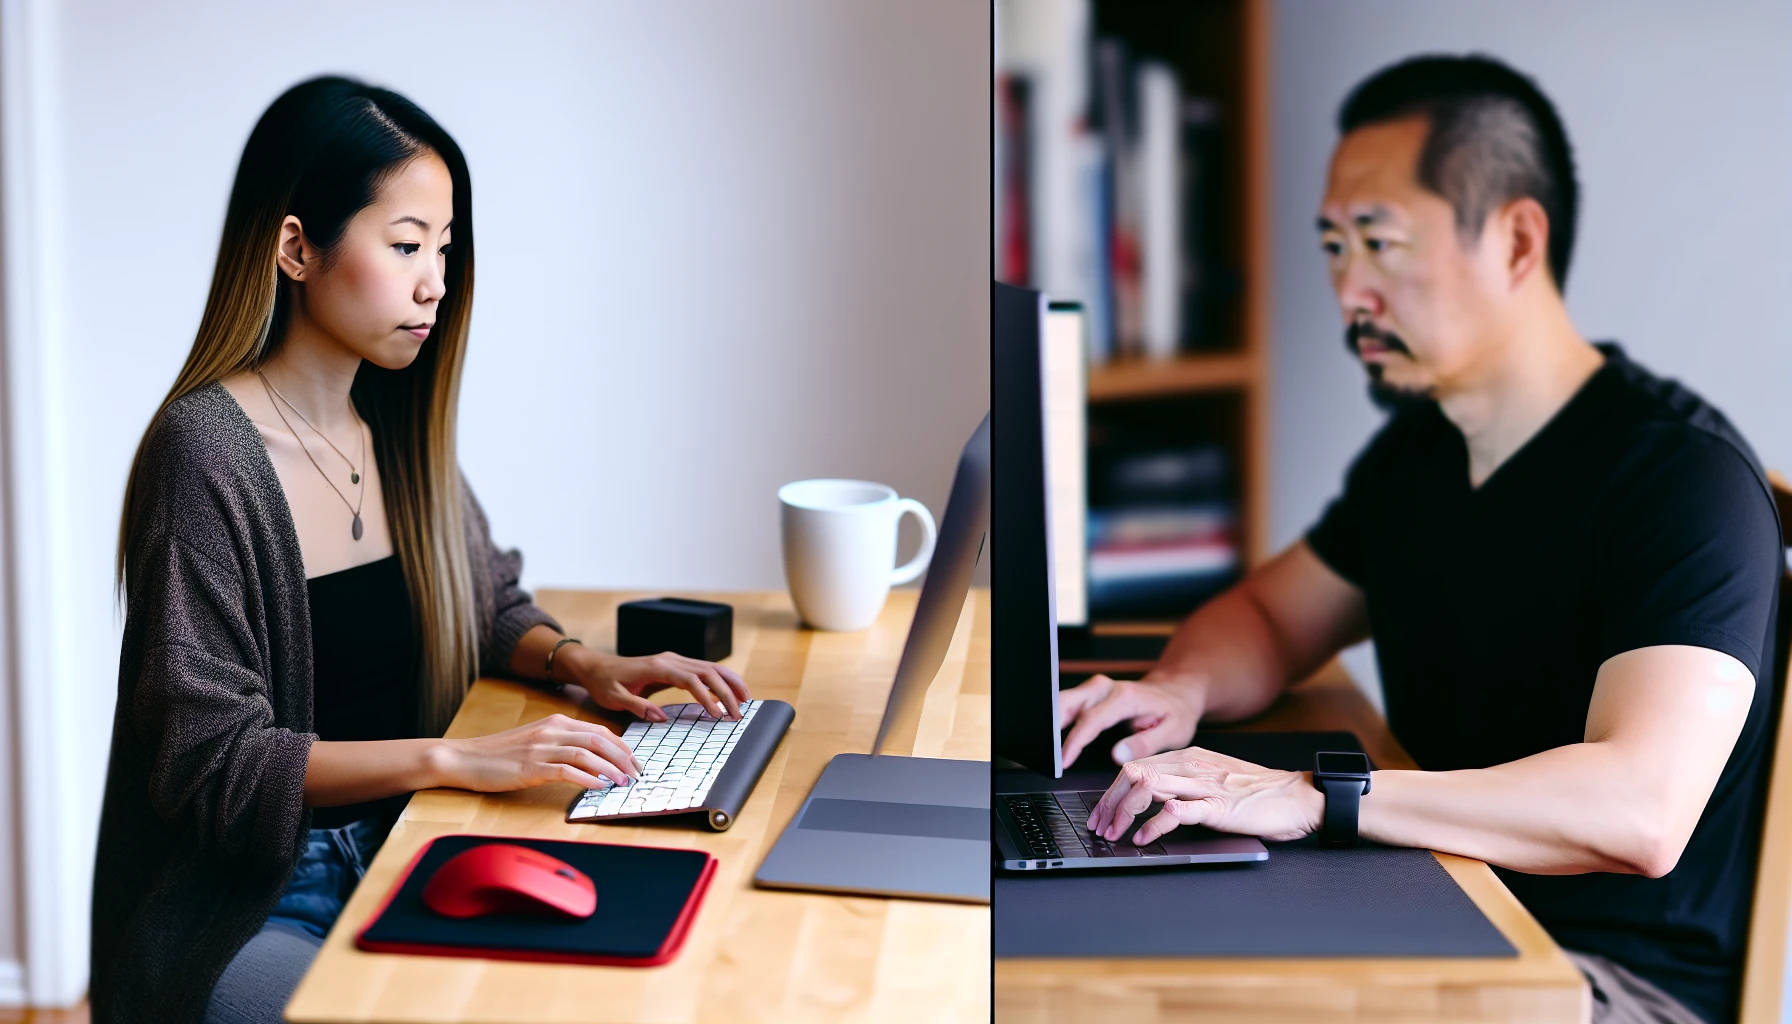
(1023, 613)
(905, 826)
(942, 595)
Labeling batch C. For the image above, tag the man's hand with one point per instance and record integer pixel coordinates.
(1200, 787)
(1163, 714)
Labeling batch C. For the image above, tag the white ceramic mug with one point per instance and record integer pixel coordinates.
(839, 546)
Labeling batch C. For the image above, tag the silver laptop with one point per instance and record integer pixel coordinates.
(891, 825)
(1044, 830)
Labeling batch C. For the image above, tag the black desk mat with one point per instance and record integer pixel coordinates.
(1305, 901)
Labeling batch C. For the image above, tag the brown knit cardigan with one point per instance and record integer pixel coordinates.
(204, 814)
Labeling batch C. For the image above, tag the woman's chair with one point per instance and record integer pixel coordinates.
(1763, 971)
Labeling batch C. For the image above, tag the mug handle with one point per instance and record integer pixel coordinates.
(930, 536)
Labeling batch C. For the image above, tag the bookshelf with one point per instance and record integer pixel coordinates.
(1206, 388)
(1189, 374)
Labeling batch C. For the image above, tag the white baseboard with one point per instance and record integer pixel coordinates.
(12, 983)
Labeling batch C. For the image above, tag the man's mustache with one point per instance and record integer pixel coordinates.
(1386, 339)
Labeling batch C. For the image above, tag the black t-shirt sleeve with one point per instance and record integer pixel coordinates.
(1338, 538)
(1693, 552)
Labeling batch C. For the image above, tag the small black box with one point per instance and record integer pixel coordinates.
(695, 629)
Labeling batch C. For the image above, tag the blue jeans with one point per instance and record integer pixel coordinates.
(261, 977)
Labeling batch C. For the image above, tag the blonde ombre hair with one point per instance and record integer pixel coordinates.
(320, 153)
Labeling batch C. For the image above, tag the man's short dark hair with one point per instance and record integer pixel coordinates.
(1494, 137)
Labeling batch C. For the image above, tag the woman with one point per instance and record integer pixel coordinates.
(309, 584)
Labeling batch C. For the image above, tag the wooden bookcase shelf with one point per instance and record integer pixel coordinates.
(1182, 375)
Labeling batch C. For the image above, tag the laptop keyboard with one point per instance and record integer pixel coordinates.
(1055, 825)
(680, 759)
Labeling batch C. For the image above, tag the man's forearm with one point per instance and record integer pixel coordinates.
(1275, 628)
(1228, 649)
(1564, 811)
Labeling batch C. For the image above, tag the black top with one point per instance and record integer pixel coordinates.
(363, 659)
(1636, 517)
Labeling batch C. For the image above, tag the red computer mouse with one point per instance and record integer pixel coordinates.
(503, 878)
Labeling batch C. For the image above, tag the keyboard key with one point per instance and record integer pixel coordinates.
(680, 758)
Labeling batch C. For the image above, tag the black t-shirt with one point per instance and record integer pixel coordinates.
(1636, 517)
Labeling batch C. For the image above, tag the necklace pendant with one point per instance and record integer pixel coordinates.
(356, 529)
(354, 478)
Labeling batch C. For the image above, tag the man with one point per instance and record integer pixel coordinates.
(1568, 565)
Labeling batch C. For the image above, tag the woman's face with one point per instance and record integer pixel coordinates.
(379, 295)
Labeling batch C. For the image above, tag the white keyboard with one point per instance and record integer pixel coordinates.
(680, 759)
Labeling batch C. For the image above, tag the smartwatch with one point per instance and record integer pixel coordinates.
(1344, 778)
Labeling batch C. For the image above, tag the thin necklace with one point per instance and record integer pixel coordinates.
(354, 473)
(361, 498)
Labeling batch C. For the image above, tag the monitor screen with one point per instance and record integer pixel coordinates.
(1065, 367)
(1023, 617)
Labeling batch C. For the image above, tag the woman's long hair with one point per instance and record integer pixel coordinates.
(321, 153)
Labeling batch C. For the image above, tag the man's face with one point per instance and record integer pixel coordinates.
(1414, 296)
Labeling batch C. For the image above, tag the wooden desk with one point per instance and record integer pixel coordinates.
(754, 955)
(1539, 986)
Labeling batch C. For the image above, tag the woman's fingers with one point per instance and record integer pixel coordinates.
(735, 682)
(693, 684)
(594, 737)
(705, 681)
(640, 707)
(570, 773)
(608, 745)
(585, 761)
(719, 686)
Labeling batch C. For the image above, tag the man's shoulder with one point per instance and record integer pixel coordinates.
(1679, 455)
(1661, 421)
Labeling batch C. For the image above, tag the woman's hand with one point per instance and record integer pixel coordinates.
(622, 684)
(552, 749)
(1200, 787)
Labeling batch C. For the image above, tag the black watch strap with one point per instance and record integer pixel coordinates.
(1343, 797)
(1343, 776)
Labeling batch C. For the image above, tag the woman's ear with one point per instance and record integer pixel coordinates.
(294, 254)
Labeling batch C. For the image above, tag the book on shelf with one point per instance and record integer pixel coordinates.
(1160, 271)
(1207, 284)
(1014, 192)
(1108, 176)
(1163, 532)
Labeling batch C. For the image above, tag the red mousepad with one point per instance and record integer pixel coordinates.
(647, 897)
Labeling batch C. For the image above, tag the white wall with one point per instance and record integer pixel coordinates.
(1680, 116)
(721, 246)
